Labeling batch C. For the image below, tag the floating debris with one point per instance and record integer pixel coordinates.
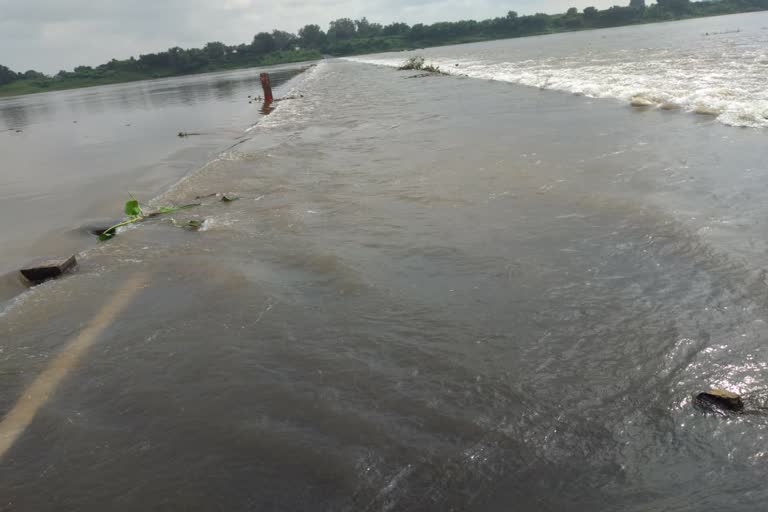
(418, 64)
(192, 225)
(719, 401)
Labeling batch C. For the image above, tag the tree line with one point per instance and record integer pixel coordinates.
(346, 37)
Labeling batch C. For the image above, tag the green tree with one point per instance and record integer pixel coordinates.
(284, 40)
(7, 76)
(343, 28)
(418, 31)
(637, 4)
(33, 75)
(312, 36)
(590, 12)
(364, 28)
(197, 60)
(616, 16)
(677, 7)
(216, 51)
(534, 24)
(183, 61)
(396, 29)
(263, 42)
(572, 12)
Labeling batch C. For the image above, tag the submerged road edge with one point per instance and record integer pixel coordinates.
(37, 394)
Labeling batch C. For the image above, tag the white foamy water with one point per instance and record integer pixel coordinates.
(713, 66)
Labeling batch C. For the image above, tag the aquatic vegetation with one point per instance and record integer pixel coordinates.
(193, 225)
(431, 68)
(418, 64)
(135, 213)
(413, 64)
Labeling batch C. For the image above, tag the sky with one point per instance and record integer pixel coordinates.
(50, 35)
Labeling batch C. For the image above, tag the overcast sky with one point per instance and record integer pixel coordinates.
(49, 35)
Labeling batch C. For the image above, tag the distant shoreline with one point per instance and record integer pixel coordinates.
(481, 39)
(26, 87)
(342, 48)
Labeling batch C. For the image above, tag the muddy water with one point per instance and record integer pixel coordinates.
(70, 158)
(715, 66)
(433, 294)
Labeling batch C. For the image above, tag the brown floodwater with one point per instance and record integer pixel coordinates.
(437, 293)
(70, 158)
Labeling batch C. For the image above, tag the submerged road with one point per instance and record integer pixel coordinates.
(44, 386)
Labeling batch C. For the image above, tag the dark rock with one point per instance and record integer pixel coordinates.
(718, 400)
(41, 271)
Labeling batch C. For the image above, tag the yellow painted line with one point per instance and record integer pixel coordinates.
(38, 393)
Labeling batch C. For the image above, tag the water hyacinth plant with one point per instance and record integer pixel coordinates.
(135, 213)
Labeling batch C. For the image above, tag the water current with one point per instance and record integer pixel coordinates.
(433, 293)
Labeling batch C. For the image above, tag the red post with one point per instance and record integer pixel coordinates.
(267, 88)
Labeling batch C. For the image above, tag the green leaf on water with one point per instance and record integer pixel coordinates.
(106, 235)
(228, 198)
(132, 208)
(194, 224)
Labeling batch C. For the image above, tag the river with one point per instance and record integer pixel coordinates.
(433, 293)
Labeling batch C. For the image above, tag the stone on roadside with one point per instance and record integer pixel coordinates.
(44, 270)
(719, 399)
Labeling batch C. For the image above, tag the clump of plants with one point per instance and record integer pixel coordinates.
(417, 63)
(135, 213)
(412, 64)
(190, 225)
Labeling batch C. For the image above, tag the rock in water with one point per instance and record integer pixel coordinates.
(639, 101)
(719, 399)
(44, 270)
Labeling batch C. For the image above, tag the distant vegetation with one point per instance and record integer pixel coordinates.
(350, 37)
(174, 62)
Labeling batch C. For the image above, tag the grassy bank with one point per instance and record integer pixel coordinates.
(107, 76)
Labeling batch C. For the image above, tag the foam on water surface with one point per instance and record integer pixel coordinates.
(717, 74)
